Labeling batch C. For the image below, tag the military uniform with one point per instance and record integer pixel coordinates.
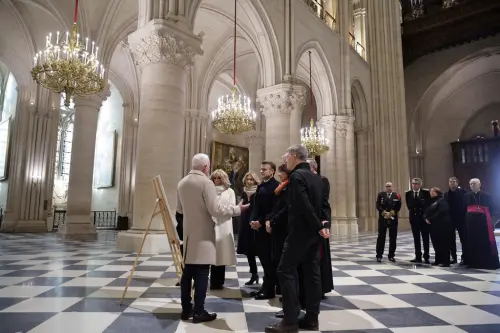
(417, 202)
(388, 206)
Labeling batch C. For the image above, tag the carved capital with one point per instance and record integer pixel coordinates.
(340, 124)
(281, 99)
(163, 47)
(93, 101)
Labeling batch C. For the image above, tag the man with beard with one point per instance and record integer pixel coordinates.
(302, 246)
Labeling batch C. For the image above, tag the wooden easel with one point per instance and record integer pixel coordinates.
(161, 207)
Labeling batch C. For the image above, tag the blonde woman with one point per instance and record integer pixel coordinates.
(224, 237)
(246, 235)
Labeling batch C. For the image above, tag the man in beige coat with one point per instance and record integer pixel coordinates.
(197, 201)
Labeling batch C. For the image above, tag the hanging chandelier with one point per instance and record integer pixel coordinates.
(234, 113)
(69, 64)
(313, 137)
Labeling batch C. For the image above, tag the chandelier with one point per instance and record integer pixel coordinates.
(234, 113)
(313, 137)
(69, 65)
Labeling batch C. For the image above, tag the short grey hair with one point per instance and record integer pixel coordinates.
(417, 180)
(299, 151)
(199, 161)
(312, 162)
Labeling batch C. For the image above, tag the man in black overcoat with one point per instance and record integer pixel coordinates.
(302, 247)
(325, 254)
(455, 199)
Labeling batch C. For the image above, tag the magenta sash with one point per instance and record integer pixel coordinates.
(486, 211)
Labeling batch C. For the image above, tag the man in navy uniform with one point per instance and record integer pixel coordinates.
(417, 201)
(388, 205)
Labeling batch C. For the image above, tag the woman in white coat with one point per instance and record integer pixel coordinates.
(224, 237)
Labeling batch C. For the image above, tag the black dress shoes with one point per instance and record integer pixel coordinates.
(391, 259)
(282, 328)
(204, 317)
(263, 296)
(186, 315)
(379, 259)
(426, 261)
(309, 323)
(416, 261)
(216, 287)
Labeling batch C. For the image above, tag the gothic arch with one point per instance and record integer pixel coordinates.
(323, 84)
(263, 36)
(452, 99)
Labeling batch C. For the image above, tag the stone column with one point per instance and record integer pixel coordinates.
(388, 107)
(195, 136)
(81, 173)
(255, 142)
(329, 169)
(417, 165)
(278, 103)
(164, 51)
(31, 171)
(360, 26)
(125, 189)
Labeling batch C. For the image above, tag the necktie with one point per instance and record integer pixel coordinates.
(415, 194)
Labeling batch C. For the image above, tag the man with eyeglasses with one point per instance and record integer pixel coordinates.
(417, 201)
(388, 205)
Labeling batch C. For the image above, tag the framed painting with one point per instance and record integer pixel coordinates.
(233, 160)
(104, 160)
(4, 148)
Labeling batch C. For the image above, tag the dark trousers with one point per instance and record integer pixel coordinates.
(217, 276)
(458, 225)
(419, 227)
(198, 273)
(439, 233)
(383, 226)
(300, 250)
(252, 263)
(264, 252)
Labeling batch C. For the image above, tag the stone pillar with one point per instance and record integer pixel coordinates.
(329, 169)
(81, 173)
(128, 150)
(195, 136)
(417, 166)
(360, 27)
(164, 51)
(388, 107)
(278, 104)
(31, 170)
(255, 142)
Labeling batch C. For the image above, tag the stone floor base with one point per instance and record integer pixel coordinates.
(131, 241)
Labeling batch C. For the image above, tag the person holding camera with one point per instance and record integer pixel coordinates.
(388, 205)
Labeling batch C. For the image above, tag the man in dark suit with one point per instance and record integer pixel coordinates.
(417, 201)
(302, 246)
(455, 199)
(388, 205)
(263, 205)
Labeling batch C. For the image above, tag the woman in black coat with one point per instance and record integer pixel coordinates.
(277, 222)
(246, 235)
(437, 216)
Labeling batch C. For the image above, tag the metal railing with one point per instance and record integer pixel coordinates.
(318, 10)
(357, 46)
(101, 219)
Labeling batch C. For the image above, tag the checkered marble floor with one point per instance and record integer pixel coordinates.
(48, 285)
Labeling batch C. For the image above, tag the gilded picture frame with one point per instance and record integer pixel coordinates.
(233, 160)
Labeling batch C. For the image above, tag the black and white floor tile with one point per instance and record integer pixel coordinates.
(50, 285)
